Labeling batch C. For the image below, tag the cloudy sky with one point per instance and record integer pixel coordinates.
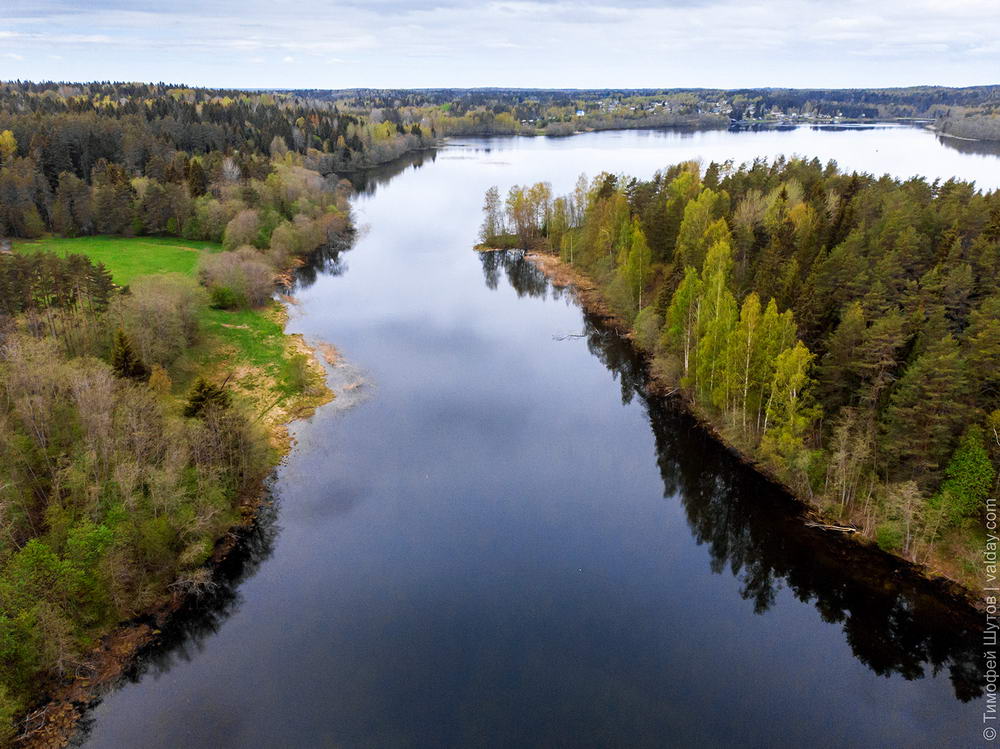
(545, 43)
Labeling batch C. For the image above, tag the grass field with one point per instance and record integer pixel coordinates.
(248, 347)
(127, 257)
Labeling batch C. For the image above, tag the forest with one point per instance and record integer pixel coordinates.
(129, 443)
(842, 330)
(972, 124)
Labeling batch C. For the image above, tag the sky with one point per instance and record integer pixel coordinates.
(522, 43)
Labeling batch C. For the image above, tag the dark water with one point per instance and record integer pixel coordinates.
(504, 542)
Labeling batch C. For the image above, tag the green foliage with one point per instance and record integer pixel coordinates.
(926, 411)
(223, 297)
(204, 397)
(296, 373)
(125, 361)
(647, 326)
(889, 536)
(969, 477)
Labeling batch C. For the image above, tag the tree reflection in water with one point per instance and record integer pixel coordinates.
(187, 631)
(894, 621)
(522, 275)
(329, 259)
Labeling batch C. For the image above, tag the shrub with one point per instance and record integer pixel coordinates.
(889, 536)
(237, 279)
(160, 316)
(296, 372)
(223, 297)
(242, 229)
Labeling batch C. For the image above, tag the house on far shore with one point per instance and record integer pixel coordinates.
(5, 248)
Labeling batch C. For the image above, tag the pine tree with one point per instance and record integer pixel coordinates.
(838, 381)
(125, 361)
(926, 411)
(877, 358)
(982, 352)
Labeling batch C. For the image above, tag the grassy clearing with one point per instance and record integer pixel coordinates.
(271, 371)
(126, 257)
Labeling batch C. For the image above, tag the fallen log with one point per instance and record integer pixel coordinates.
(839, 528)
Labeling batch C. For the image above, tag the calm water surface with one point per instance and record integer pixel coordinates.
(503, 542)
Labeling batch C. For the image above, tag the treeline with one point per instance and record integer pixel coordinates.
(215, 197)
(154, 131)
(977, 124)
(899, 101)
(559, 111)
(842, 329)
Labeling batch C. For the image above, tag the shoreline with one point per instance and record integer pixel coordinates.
(562, 275)
(54, 722)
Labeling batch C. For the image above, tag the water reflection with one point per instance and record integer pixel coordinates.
(894, 622)
(978, 147)
(188, 631)
(326, 260)
(367, 181)
(522, 275)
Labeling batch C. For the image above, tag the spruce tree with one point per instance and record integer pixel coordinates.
(125, 361)
(205, 396)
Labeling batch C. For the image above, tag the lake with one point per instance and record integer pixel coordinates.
(493, 537)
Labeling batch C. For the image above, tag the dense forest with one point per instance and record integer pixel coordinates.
(159, 131)
(841, 329)
(124, 458)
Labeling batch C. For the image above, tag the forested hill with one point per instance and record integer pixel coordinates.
(750, 103)
(843, 329)
(919, 98)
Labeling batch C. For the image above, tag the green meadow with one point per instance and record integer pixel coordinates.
(248, 347)
(127, 257)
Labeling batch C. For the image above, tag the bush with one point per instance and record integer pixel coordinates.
(160, 316)
(242, 229)
(223, 297)
(237, 279)
(647, 328)
(295, 372)
(889, 537)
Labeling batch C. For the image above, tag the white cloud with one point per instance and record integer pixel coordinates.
(725, 43)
